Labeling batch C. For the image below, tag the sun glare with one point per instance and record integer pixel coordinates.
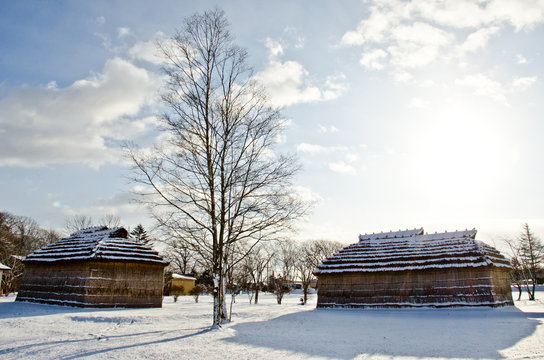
(459, 156)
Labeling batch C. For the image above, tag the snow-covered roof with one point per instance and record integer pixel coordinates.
(4, 267)
(391, 234)
(412, 250)
(97, 244)
(184, 277)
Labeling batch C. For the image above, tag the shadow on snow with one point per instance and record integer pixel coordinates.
(16, 309)
(163, 337)
(346, 333)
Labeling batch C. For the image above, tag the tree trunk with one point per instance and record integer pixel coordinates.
(232, 300)
(217, 300)
(223, 288)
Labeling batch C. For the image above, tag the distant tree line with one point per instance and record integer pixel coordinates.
(272, 266)
(19, 236)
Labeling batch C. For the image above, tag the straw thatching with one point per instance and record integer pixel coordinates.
(95, 267)
(412, 269)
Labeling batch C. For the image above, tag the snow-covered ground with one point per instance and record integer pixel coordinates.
(270, 331)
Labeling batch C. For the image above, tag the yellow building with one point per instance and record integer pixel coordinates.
(2, 269)
(182, 284)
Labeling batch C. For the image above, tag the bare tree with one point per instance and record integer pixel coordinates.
(309, 254)
(531, 255)
(285, 260)
(255, 265)
(219, 181)
(527, 257)
(196, 291)
(180, 255)
(78, 222)
(110, 220)
(19, 236)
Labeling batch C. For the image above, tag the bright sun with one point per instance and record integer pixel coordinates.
(459, 156)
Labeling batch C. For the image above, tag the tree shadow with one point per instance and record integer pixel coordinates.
(164, 337)
(20, 309)
(345, 334)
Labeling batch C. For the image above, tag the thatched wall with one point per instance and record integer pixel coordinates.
(93, 284)
(482, 286)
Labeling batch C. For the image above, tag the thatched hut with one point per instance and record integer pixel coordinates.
(413, 269)
(95, 267)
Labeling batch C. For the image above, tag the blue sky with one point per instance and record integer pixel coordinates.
(403, 114)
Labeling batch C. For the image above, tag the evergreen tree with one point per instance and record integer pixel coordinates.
(140, 235)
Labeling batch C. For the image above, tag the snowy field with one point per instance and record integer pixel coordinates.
(270, 331)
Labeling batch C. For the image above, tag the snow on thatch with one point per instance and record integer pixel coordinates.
(97, 243)
(413, 251)
(97, 267)
(410, 268)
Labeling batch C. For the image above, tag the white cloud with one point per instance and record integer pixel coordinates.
(413, 34)
(373, 59)
(352, 157)
(401, 76)
(311, 148)
(418, 103)
(373, 29)
(288, 83)
(483, 85)
(417, 45)
(421, 34)
(522, 14)
(123, 204)
(280, 139)
(342, 168)
(522, 83)
(293, 35)
(521, 59)
(335, 86)
(275, 49)
(315, 149)
(123, 32)
(76, 124)
(100, 20)
(146, 51)
(119, 200)
(477, 40)
(327, 129)
(286, 123)
(306, 194)
(471, 14)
